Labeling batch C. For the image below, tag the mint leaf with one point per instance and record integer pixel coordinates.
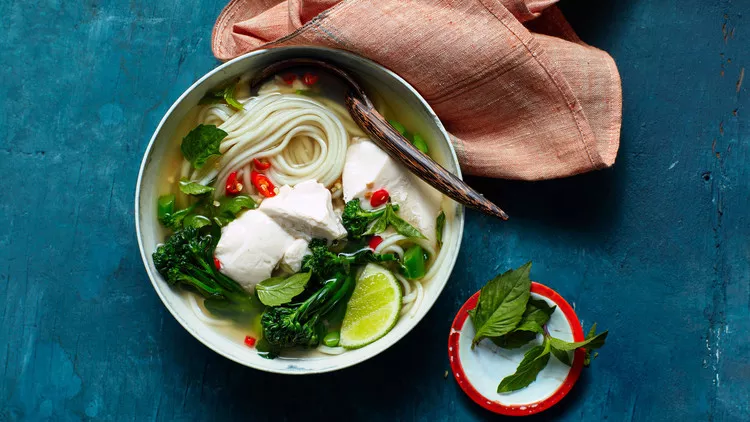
(532, 364)
(439, 226)
(502, 302)
(201, 144)
(594, 342)
(514, 340)
(194, 188)
(277, 291)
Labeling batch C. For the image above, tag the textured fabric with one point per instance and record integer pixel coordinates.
(522, 96)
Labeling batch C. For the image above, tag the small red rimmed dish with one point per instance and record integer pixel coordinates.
(478, 371)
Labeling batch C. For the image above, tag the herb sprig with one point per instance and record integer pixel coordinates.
(508, 316)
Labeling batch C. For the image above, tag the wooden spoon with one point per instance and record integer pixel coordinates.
(389, 139)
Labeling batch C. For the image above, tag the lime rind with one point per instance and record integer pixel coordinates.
(373, 309)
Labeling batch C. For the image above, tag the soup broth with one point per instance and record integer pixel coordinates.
(308, 102)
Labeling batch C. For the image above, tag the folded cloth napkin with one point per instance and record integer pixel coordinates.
(522, 96)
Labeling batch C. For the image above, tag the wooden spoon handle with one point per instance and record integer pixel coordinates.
(424, 167)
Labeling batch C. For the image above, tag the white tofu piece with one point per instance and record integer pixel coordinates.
(368, 169)
(251, 247)
(305, 211)
(292, 260)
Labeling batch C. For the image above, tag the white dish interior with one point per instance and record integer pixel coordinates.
(400, 97)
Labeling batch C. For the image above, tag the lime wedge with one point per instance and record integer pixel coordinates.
(373, 308)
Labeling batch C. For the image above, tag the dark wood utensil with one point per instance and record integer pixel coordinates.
(389, 139)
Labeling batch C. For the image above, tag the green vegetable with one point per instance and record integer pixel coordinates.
(400, 225)
(173, 219)
(593, 341)
(201, 144)
(356, 220)
(439, 227)
(502, 302)
(194, 188)
(187, 258)
(332, 339)
(226, 94)
(510, 318)
(165, 206)
(587, 357)
(302, 324)
(514, 339)
(532, 364)
(196, 221)
(277, 291)
(398, 126)
(306, 92)
(230, 206)
(325, 264)
(420, 144)
(414, 263)
(359, 222)
(535, 316)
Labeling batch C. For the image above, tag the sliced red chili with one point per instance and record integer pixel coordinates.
(217, 263)
(233, 186)
(261, 164)
(309, 78)
(249, 341)
(374, 242)
(379, 197)
(262, 184)
(289, 78)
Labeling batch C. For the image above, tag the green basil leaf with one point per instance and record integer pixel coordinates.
(532, 364)
(196, 221)
(277, 291)
(537, 313)
(514, 340)
(400, 225)
(201, 144)
(194, 188)
(439, 226)
(594, 342)
(502, 302)
(230, 206)
(587, 356)
(378, 226)
(561, 355)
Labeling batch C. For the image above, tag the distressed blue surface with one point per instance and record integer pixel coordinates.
(655, 249)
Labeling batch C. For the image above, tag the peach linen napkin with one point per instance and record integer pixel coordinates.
(521, 95)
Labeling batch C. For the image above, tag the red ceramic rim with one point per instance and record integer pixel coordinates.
(529, 408)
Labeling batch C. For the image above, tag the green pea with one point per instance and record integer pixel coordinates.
(332, 339)
(420, 144)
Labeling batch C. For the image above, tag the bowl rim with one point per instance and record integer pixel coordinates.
(460, 218)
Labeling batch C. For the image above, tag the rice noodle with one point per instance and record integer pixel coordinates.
(302, 138)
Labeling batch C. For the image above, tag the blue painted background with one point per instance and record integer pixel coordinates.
(656, 249)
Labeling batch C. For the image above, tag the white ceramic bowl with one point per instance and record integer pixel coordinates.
(399, 96)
